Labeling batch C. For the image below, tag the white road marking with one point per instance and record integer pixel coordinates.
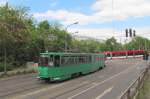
(83, 91)
(105, 92)
(101, 82)
(94, 83)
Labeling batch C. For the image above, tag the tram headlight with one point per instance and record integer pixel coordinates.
(51, 64)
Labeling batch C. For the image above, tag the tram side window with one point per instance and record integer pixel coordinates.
(64, 60)
(70, 60)
(89, 59)
(76, 60)
(80, 59)
(84, 59)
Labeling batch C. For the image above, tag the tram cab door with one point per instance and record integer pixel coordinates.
(57, 61)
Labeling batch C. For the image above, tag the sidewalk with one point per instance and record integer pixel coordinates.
(18, 71)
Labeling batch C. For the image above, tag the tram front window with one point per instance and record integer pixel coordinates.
(46, 61)
(43, 61)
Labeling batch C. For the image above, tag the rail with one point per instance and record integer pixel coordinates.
(133, 89)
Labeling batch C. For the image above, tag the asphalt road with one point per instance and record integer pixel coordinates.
(108, 83)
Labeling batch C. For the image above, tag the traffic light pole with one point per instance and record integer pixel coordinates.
(129, 33)
(145, 44)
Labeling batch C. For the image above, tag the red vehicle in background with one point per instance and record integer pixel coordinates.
(123, 53)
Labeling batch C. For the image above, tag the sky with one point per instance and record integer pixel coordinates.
(99, 19)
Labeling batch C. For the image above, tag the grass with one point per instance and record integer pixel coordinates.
(144, 92)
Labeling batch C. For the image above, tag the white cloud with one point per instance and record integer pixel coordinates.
(2, 2)
(123, 8)
(99, 33)
(106, 33)
(102, 12)
(65, 16)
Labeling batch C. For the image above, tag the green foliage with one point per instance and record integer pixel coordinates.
(138, 43)
(9, 66)
(145, 90)
(15, 34)
(112, 44)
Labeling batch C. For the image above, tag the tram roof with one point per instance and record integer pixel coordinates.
(64, 53)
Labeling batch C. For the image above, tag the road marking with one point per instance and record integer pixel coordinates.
(105, 92)
(83, 91)
(101, 82)
(94, 83)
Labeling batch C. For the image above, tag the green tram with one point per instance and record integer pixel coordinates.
(61, 66)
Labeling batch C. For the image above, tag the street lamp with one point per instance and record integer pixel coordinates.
(70, 25)
(75, 32)
(66, 34)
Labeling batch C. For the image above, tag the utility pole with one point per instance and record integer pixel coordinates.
(145, 44)
(113, 27)
(66, 45)
(5, 58)
(5, 50)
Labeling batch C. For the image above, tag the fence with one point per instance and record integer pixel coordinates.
(133, 89)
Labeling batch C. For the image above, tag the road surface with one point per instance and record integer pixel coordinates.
(108, 83)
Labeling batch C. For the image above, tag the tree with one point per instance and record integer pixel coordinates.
(112, 44)
(14, 33)
(138, 43)
(52, 36)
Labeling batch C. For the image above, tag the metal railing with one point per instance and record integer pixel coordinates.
(133, 89)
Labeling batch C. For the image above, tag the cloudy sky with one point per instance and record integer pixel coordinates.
(97, 18)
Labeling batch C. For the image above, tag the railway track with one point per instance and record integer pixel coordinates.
(19, 84)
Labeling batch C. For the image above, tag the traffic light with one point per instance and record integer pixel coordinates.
(130, 32)
(127, 32)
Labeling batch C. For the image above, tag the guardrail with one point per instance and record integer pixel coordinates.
(133, 89)
(124, 57)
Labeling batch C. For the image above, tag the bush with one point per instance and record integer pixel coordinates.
(8, 65)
